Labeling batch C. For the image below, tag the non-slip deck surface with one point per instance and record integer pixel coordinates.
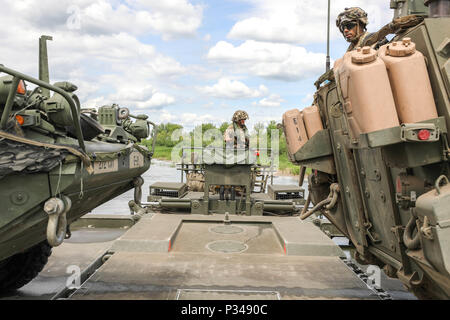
(171, 257)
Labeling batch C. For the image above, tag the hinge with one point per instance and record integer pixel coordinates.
(373, 237)
(398, 233)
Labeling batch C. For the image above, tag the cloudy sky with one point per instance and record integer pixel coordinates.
(182, 61)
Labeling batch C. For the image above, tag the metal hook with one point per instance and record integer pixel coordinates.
(438, 183)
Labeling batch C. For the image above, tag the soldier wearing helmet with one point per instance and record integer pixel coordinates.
(236, 135)
(353, 24)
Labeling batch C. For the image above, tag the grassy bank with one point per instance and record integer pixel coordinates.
(286, 167)
(162, 153)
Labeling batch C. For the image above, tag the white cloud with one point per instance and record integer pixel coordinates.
(85, 88)
(187, 119)
(173, 18)
(169, 18)
(195, 119)
(141, 97)
(301, 22)
(233, 89)
(95, 102)
(274, 100)
(135, 99)
(166, 116)
(270, 60)
(205, 73)
(107, 68)
(157, 100)
(308, 98)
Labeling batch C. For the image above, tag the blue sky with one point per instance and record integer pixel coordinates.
(183, 61)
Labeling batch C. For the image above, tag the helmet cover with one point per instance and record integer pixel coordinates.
(240, 115)
(354, 14)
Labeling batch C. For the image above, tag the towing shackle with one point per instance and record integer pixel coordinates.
(57, 208)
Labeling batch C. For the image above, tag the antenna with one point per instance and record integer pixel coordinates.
(328, 64)
(44, 74)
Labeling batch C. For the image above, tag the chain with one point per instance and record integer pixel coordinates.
(381, 293)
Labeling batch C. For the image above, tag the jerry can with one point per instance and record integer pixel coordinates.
(312, 120)
(366, 91)
(294, 130)
(409, 80)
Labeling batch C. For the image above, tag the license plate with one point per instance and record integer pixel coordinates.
(136, 160)
(106, 166)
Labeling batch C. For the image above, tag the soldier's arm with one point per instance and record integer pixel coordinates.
(375, 37)
(393, 27)
(227, 136)
(247, 138)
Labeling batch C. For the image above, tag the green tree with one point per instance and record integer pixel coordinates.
(258, 128)
(164, 137)
(271, 126)
(223, 127)
(207, 126)
(200, 130)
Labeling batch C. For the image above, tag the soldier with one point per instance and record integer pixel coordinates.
(353, 22)
(236, 135)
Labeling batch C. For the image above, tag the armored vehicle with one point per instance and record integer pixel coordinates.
(379, 150)
(57, 163)
(227, 181)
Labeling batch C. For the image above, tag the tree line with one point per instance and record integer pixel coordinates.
(167, 130)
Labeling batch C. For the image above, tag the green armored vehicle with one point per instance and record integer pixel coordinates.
(377, 141)
(227, 181)
(57, 163)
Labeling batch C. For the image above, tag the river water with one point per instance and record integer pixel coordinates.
(163, 171)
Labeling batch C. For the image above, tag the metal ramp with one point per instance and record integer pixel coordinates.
(201, 257)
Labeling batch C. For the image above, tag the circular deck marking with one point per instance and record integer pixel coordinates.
(226, 229)
(227, 246)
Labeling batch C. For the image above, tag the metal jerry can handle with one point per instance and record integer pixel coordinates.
(438, 183)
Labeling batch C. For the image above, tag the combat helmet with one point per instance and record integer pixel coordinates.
(239, 115)
(353, 14)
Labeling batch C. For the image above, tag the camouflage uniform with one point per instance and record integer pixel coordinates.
(376, 39)
(237, 136)
(195, 181)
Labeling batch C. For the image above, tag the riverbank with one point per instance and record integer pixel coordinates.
(286, 168)
(163, 171)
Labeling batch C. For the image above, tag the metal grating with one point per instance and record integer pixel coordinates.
(289, 195)
(165, 193)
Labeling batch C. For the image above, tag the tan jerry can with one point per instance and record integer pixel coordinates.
(366, 90)
(312, 120)
(410, 82)
(294, 129)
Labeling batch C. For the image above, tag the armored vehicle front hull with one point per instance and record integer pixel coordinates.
(24, 222)
(57, 163)
(387, 186)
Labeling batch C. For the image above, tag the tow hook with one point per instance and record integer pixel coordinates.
(57, 209)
